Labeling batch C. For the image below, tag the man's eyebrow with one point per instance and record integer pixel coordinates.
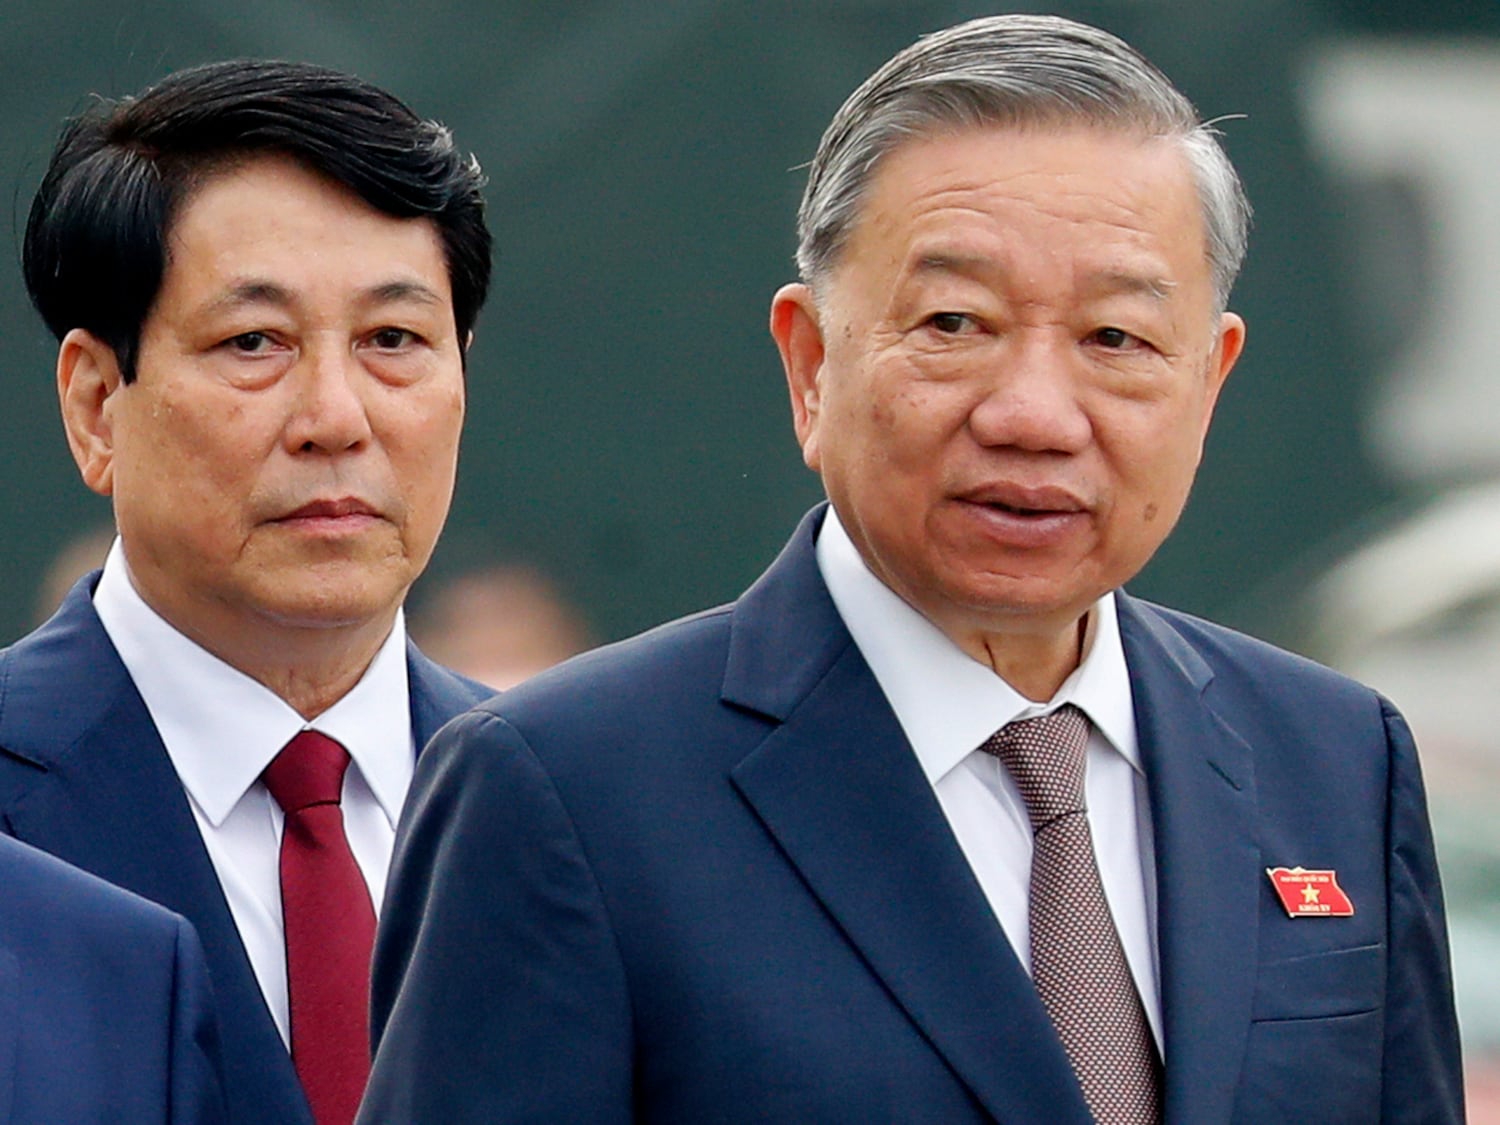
(393, 291)
(259, 292)
(252, 292)
(1120, 281)
(969, 265)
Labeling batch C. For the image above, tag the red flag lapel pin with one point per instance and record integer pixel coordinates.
(1310, 894)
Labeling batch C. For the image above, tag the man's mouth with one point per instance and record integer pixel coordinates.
(331, 509)
(1015, 510)
(1015, 500)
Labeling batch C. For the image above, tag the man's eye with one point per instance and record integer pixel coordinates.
(391, 339)
(249, 342)
(949, 323)
(1115, 338)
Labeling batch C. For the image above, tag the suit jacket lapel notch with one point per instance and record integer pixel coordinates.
(104, 777)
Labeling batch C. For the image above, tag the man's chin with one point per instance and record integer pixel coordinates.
(349, 604)
(1044, 596)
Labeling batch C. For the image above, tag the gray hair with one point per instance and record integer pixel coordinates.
(1018, 71)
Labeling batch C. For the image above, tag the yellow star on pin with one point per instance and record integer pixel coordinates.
(1309, 894)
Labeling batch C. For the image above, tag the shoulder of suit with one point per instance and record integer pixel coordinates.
(61, 681)
(45, 894)
(1230, 653)
(670, 667)
(671, 650)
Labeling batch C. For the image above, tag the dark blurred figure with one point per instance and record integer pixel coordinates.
(80, 555)
(499, 625)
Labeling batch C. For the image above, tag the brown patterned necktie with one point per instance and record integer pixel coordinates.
(1077, 962)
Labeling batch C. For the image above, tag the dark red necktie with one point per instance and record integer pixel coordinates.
(330, 928)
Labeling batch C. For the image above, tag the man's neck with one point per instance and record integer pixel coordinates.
(314, 681)
(1035, 665)
(310, 667)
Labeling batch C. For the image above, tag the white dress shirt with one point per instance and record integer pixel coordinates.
(948, 704)
(221, 729)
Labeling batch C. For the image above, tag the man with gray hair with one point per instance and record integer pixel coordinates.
(936, 823)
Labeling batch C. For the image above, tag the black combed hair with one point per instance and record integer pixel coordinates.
(95, 249)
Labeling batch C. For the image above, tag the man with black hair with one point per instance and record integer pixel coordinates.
(264, 278)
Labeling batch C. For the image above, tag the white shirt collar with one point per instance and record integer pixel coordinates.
(221, 728)
(947, 702)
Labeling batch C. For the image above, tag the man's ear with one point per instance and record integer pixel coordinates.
(88, 377)
(799, 339)
(1230, 344)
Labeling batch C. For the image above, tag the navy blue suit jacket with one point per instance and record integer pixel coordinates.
(84, 775)
(105, 1008)
(700, 877)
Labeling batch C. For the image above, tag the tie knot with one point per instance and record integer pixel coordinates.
(308, 771)
(1045, 756)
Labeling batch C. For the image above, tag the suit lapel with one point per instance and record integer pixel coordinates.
(104, 796)
(1201, 780)
(838, 787)
(437, 695)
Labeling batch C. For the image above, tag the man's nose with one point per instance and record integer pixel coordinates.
(1028, 397)
(329, 409)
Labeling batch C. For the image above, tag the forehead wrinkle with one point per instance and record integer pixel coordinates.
(982, 267)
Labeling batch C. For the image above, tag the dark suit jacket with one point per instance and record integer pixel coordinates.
(700, 877)
(84, 775)
(105, 1009)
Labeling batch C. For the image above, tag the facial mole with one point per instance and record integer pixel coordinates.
(1150, 513)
